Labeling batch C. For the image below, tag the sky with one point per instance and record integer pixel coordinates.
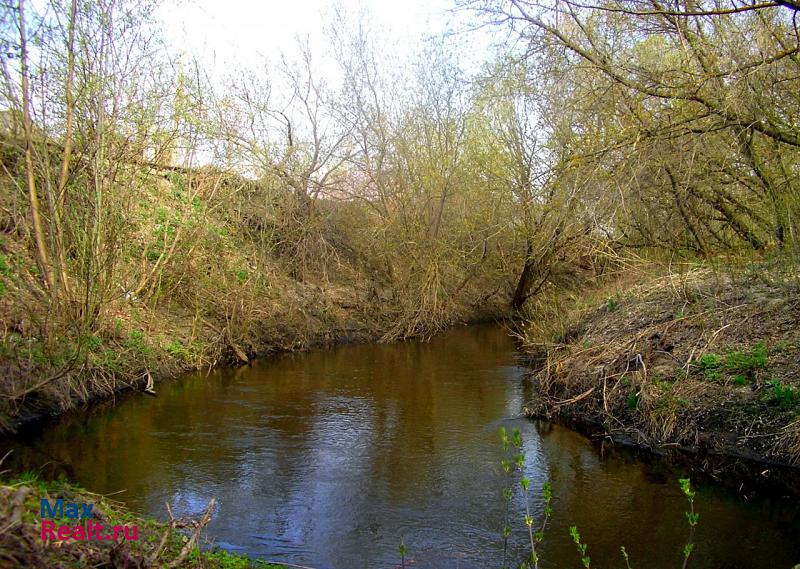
(229, 34)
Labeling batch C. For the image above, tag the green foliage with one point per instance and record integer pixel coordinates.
(177, 349)
(633, 401)
(692, 518)
(197, 206)
(612, 304)
(93, 342)
(535, 534)
(709, 361)
(222, 559)
(746, 362)
(786, 396)
(109, 360)
(5, 272)
(403, 550)
(582, 547)
(741, 364)
(26, 348)
(136, 337)
(188, 353)
(136, 343)
(507, 494)
(178, 182)
(709, 365)
(5, 268)
(516, 439)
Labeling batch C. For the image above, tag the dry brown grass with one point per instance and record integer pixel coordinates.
(788, 442)
(633, 364)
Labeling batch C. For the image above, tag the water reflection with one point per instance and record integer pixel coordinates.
(329, 458)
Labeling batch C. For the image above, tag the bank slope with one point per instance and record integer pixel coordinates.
(702, 361)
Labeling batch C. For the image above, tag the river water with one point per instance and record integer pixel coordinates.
(329, 458)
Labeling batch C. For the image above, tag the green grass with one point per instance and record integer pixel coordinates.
(137, 344)
(747, 361)
(740, 365)
(178, 350)
(222, 559)
(709, 361)
(782, 395)
(5, 267)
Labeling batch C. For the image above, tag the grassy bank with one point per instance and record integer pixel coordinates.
(174, 544)
(703, 360)
(207, 268)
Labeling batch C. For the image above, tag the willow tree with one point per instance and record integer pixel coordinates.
(701, 108)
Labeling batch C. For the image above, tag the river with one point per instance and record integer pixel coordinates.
(329, 458)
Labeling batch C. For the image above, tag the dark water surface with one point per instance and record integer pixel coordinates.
(328, 458)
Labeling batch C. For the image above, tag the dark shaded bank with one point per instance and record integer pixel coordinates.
(700, 367)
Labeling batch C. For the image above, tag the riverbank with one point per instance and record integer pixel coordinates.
(149, 346)
(701, 361)
(172, 544)
(202, 268)
(152, 346)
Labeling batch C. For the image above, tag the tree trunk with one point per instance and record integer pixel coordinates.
(524, 282)
(33, 197)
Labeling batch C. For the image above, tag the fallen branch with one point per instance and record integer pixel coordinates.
(583, 395)
(149, 386)
(195, 535)
(177, 523)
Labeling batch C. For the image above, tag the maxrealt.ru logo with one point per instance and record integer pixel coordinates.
(83, 526)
